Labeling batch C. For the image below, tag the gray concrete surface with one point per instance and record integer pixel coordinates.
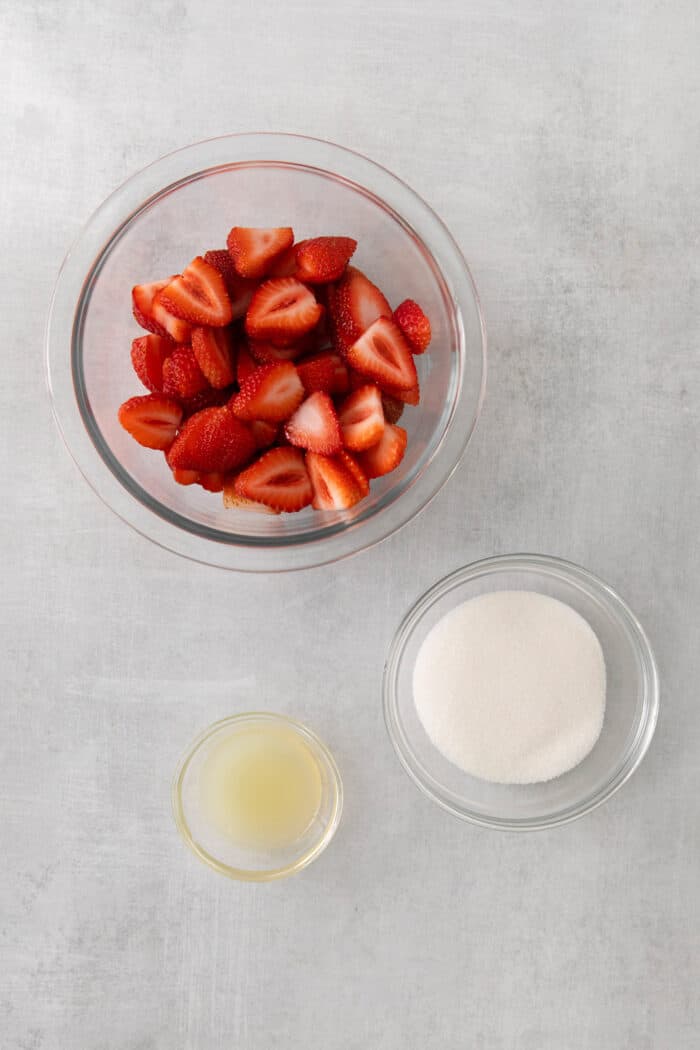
(560, 143)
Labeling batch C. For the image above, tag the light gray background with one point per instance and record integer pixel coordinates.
(560, 144)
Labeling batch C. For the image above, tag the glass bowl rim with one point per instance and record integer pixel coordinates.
(393, 510)
(260, 874)
(612, 602)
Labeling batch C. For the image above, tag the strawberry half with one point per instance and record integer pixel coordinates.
(212, 481)
(279, 479)
(212, 441)
(198, 295)
(272, 392)
(151, 419)
(393, 408)
(264, 434)
(153, 315)
(245, 365)
(410, 396)
(386, 455)
(214, 350)
(326, 372)
(362, 418)
(284, 265)
(232, 501)
(282, 311)
(254, 250)
(264, 353)
(335, 486)
(414, 325)
(323, 259)
(356, 470)
(354, 304)
(148, 353)
(383, 354)
(182, 376)
(240, 291)
(186, 477)
(314, 426)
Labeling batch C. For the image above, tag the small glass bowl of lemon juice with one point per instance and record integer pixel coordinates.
(257, 796)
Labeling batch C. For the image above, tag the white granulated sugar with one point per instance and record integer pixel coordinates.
(510, 687)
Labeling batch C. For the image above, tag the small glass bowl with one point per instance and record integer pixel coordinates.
(631, 709)
(184, 204)
(248, 864)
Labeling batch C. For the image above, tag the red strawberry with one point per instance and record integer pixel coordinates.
(325, 371)
(255, 250)
(323, 259)
(362, 418)
(264, 353)
(198, 295)
(182, 376)
(245, 365)
(212, 441)
(356, 379)
(148, 353)
(272, 392)
(335, 485)
(232, 501)
(414, 325)
(186, 477)
(264, 434)
(151, 419)
(284, 265)
(208, 398)
(314, 426)
(240, 291)
(153, 316)
(282, 311)
(393, 408)
(212, 481)
(356, 470)
(279, 479)
(411, 396)
(354, 304)
(387, 454)
(383, 354)
(215, 354)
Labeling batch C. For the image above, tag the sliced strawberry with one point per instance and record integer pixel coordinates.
(208, 398)
(264, 353)
(393, 408)
(383, 355)
(362, 418)
(278, 479)
(326, 372)
(414, 325)
(232, 501)
(255, 250)
(198, 295)
(186, 477)
(356, 379)
(282, 311)
(354, 304)
(153, 316)
(148, 353)
(334, 484)
(151, 419)
(272, 392)
(182, 376)
(212, 441)
(284, 265)
(240, 291)
(245, 365)
(323, 259)
(264, 434)
(411, 396)
(314, 426)
(215, 353)
(356, 470)
(386, 454)
(212, 481)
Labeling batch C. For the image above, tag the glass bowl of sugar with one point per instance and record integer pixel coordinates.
(520, 692)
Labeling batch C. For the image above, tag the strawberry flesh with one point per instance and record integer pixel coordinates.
(326, 372)
(335, 486)
(198, 295)
(314, 426)
(362, 418)
(151, 419)
(282, 311)
(272, 392)
(214, 350)
(254, 250)
(148, 353)
(279, 479)
(386, 455)
(354, 304)
(383, 355)
(152, 315)
(240, 291)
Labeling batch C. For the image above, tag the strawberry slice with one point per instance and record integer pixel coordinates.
(214, 350)
(314, 426)
(264, 434)
(264, 353)
(354, 304)
(326, 372)
(153, 316)
(212, 481)
(356, 470)
(411, 396)
(393, 408)
(240, 291)
(279, 479)
(232, 501)
(284, 265)
(182, 376)
(335, 486)
(386, 455)
(414, 325)
(383, 354)
(362, 418)
(198, 295)
(212, 441)
(148, 353)
(272, 392)
(282, 311)
(323, 259)
(255, 250)
(245, 365)
(186, 477)
(152, 419)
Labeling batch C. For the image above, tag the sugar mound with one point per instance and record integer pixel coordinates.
(510, 687)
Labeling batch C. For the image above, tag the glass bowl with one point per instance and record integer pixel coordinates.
(247, 862)
(631, 709)
(184, 204)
